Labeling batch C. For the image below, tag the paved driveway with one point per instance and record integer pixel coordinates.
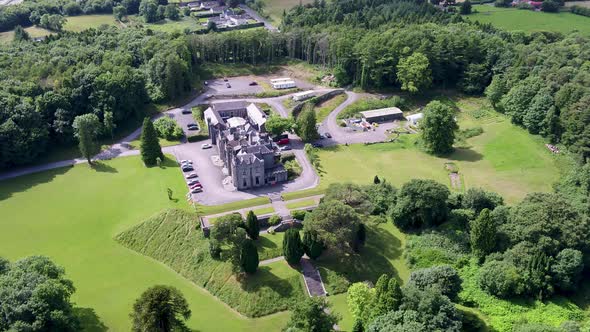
(238, 86)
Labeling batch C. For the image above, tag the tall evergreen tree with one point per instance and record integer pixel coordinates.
(252, 225)
(306, 124)
(160, 308)
(150, 145)
(20, 34)
(292, 246)
(483, 234)
(86, 128)
(312, 246)
(388, 295)
(249, 257)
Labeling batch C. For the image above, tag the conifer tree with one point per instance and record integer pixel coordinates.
(292, 246)
(483, 234)
(249, 257)
(150, 145)
(252, 225)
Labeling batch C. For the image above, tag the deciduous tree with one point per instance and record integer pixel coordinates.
(86, 128)
(335, 223)
(413, 72)
(420, 203)
(312, 315)
(438, 128)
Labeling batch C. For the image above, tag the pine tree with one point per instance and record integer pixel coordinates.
(292, 246)
(150, 145)
(252, 225)
(388, 295)
(249, 257)
(312, 246)
(483, 234)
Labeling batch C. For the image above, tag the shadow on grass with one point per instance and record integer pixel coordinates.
(461, 154)
(102, 167)
(339, 271)
(89, 320)
(22, 183)
(264, 278)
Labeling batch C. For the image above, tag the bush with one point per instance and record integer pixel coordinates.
(500, 278)
(274, 220)
(293, 169)
(168, 128)
(579, 10)
(443, 277)
(197, 138)
(298, 214)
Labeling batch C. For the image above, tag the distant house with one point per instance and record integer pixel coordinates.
(414, 119)
(282, 83)
(382, 115)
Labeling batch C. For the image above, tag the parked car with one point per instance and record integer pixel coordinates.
(196, 190)
(192, 125)
(192, 176)
(187, 168)
(328, 135)
(185, 111)
(228, 85)
(193, 182)
(225, 79)
(322, 136)
(196, 185)
(206, 83)
(286, 148)
(206, 146)
(283, 141)
(317, 145)
(253, 83)
(193, 128)
(186, 162)
(208, 96)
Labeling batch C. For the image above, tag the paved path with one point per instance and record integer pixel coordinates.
(312, 278)
(271, 260)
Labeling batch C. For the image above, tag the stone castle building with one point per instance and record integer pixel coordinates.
(238, 131)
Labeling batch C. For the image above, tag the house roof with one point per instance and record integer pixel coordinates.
(256, 114)
(212, 116)
(229, 105)
(246, 158)
(381, 112)
(416, 116)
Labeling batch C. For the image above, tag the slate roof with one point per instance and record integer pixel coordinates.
(229, 106)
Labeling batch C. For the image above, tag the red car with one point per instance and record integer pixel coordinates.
(196, 185)
(283, 141)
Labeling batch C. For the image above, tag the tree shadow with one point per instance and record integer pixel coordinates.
(462, 154)
(264, 278)
(89, 320)
(22, 183)
(99, 166)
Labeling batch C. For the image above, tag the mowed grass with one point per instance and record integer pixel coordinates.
(72, 214)
(191, 23)
(300, 204)
(205, 210)
(505, 159)
(270, 245)
(265, 210)
(34, 32)
(530, 21)
(83, 22)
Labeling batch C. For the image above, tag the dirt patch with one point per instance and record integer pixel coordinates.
(455, 180)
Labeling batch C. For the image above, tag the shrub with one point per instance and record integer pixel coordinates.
(443, 277)
(274, 220)
(293, 169)
(168, 128)
(298, 214)
(500, 278)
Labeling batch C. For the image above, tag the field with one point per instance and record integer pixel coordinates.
(34, 32)
(77, 212)
(190, 23)
(83, 22)
(275, 8)
(505, 159)
(530, 21)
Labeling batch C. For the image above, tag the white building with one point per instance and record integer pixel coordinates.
(303, 95)
(414, 119)
(282, 83)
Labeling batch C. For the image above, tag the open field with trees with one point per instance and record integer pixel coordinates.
(513, 19)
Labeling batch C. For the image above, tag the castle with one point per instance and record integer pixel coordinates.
(238, 131)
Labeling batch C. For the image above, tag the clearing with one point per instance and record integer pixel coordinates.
(530, 21)
(275, 8)
(83, 22)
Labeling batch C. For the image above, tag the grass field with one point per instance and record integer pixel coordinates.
(72, 214)
(185, 22)
(275, 8)
(34, 32)
(83, 22)
(265, 210)
(530, 21)
(300, 204)
(324, 109)
(270, 245)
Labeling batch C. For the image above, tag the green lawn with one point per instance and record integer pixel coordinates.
(265, 210)
(163, 142)
(72, 214)
(83, 22)
(324, 109)
(339, 306)
(505, 159)
(529, 21)
(246, 203)
(191, 23)
(8, 36)
(300, 204)
(270, 245)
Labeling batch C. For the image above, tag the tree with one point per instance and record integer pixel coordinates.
(233, 3)
(20, 34)
(229, 233)
(249, 257)
(350, 194)
(149, 10)
(495, 91)
(567, 269)
(335, 224)
(466, 8)
(211, 26)
(150, 145)
(119, 12)
(420, 203)
(413, 72)
(438, 128)
(312, 245)
(108, 124)
(443, 277)
(168, 128)
(478, 199)
(537, 111)
(376, 180)
(171, 12)
(35, 296)
(52, 22)
(388, 296)
(276, 125)
(306, 124)
(550, 6)
(292, 246)
(86, 128)
(382, 197)
(500, 278)
(483, 234)
(252, 225)
(312, 315)
(360, 299)
(160, 309)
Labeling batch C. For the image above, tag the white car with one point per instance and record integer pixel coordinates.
(206, 146)
(191, 175)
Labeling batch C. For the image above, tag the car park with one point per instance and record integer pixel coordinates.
(192, 176)
(206, 146)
